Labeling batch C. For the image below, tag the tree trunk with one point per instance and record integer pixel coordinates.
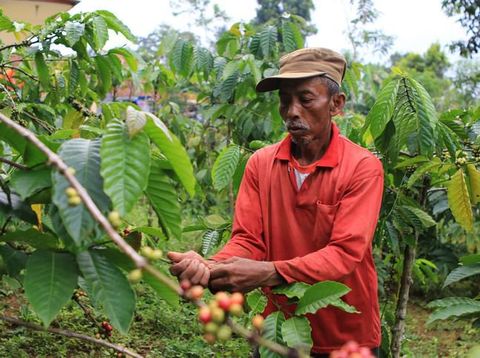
(406, 281)
(401, 310)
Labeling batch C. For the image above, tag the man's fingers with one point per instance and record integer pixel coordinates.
(190, 271)
(178, 268)
(175, 256)
(197, 277)
(205, 278)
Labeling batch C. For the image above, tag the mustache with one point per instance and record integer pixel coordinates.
(296, 125)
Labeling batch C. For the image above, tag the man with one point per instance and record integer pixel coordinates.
(306, 209)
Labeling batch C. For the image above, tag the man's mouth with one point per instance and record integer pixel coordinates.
(296, 128)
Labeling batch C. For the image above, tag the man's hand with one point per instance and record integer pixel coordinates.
(190, 266)
(242, 275)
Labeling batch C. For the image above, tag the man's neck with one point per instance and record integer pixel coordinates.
(308, 153)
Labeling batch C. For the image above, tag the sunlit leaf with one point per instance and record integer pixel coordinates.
(173, 150)
(84, 157)
(125, 165)
(459, 200)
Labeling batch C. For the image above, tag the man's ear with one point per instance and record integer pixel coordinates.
(337, 102)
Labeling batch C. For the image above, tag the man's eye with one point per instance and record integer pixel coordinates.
(306, 100)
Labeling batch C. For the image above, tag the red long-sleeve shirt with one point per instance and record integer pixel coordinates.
(322, 231)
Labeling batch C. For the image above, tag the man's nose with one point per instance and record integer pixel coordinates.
(293, 110)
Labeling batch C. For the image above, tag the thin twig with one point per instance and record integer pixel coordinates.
(70, 334)
(14, 164)
(25, 43)
(22, 71)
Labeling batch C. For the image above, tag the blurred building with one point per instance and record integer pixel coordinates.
(31, 11)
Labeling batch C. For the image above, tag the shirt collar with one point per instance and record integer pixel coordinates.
(329, 158)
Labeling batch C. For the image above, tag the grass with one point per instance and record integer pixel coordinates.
(157, 330)
(440, 339)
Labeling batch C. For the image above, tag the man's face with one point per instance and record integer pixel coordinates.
(307, 109)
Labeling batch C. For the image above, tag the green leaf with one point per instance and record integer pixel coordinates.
(224, 166)
(268, 41)
(151, 231)
(417, 217)
(108, 287)
(297, 333)
(454, 311)
(470, 259)
(474, 181)
(412, 161)
(100, 31)
(74, 30)
(5, 23)
(15, 260)
(320, 295)
(83, 156)
(125, 263)
(116, 25)
(74, 77)
(12, 138)
(452, 301)
(162, 290)
(257, 302)
(227, 87)
(210, 240)
(33, 238)
(382, 110)
(426, 118)
(27, 183)
(135, 121)
(291, 36)
(116, 67)
(339, 303)
(128, 56)
(272, 331)
(292, 290)
(173, 150)
(203, 61)
(42, 70)
(459, 200)
(125, 165)
(50, 279)
(421, 170)
(462, 272)
(181, 58)
(104, 74)
(16, 207)
(164, 199)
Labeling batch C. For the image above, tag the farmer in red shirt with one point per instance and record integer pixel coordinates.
(306, 209)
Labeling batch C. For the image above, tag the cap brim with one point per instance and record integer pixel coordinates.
(272, 83)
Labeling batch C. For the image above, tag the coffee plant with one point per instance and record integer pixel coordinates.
(76, 163)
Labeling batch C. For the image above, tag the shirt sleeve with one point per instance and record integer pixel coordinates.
(247, 229)
(352, 231)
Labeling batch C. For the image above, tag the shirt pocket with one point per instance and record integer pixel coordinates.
(324, 219)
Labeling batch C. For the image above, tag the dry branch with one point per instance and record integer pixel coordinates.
(70, 334)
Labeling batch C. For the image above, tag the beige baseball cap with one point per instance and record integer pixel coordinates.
(304, 63)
